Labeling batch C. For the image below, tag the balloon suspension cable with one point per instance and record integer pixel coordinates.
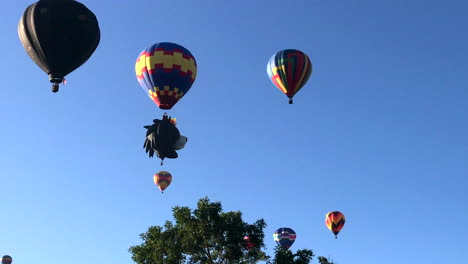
(162, 162)
(290, 100)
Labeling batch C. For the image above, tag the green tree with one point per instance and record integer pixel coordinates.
(207, 235)
(323, 260)
(302, 256)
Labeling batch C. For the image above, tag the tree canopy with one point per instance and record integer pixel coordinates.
(207, 235)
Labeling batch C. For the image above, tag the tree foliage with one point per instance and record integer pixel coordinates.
(282, 256)
(302, 256)
(207, 235)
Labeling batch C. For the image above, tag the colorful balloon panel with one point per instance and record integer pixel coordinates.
(162, 179)
(166, 71)
(335, 221)
(284, 237)
(289, 70)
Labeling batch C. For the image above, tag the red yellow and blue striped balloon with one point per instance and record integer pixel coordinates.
(166, 71)
(284, 237)
(162, 179)
(289, 70)
(335, 221)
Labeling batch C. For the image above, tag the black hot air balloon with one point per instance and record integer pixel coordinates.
(59, 36)
(163, 138)
(7, 259)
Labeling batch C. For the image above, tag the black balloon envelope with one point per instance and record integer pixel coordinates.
(163, 138)
(59, 36)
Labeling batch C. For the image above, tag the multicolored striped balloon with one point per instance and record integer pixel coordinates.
(162, 179)
(166, 71)
(284, 237)
(289, 70)
(335, 221)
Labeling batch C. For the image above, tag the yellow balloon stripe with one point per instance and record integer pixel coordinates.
(277, 77)
(148, 63)
(140, 65)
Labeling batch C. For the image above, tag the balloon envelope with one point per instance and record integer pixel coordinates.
(166, 72)
(162, 179)
(59, 36)
(289, 70)
(7, 259)
(335, 221)
(249, 244)
(161, 138)
(284, 237)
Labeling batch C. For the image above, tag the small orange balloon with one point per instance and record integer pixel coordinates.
(162, 179)
(335, 221)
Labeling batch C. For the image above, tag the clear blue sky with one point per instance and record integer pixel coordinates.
(380, 131)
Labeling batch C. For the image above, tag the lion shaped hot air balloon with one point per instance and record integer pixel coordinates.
(59, 36)
(289, 70)
(284, 237)
(162, 179)
(335, 221)
(166, 72)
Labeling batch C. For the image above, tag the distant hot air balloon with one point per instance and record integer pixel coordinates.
(289, 70)
(7, 259)
(335, 222)
(59, 36)
(249, 244)
(162, 179)
(284, 237)
(166, 72)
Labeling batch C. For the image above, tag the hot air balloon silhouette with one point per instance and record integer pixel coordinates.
(289, 70)
(335, 221)
(284, 237)
(59, 36)
(163, 138)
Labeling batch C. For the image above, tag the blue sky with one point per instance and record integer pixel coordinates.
(379, 132)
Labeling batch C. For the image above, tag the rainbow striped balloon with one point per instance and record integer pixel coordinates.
(289, 70)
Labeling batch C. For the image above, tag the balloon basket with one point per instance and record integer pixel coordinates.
(55, 87)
